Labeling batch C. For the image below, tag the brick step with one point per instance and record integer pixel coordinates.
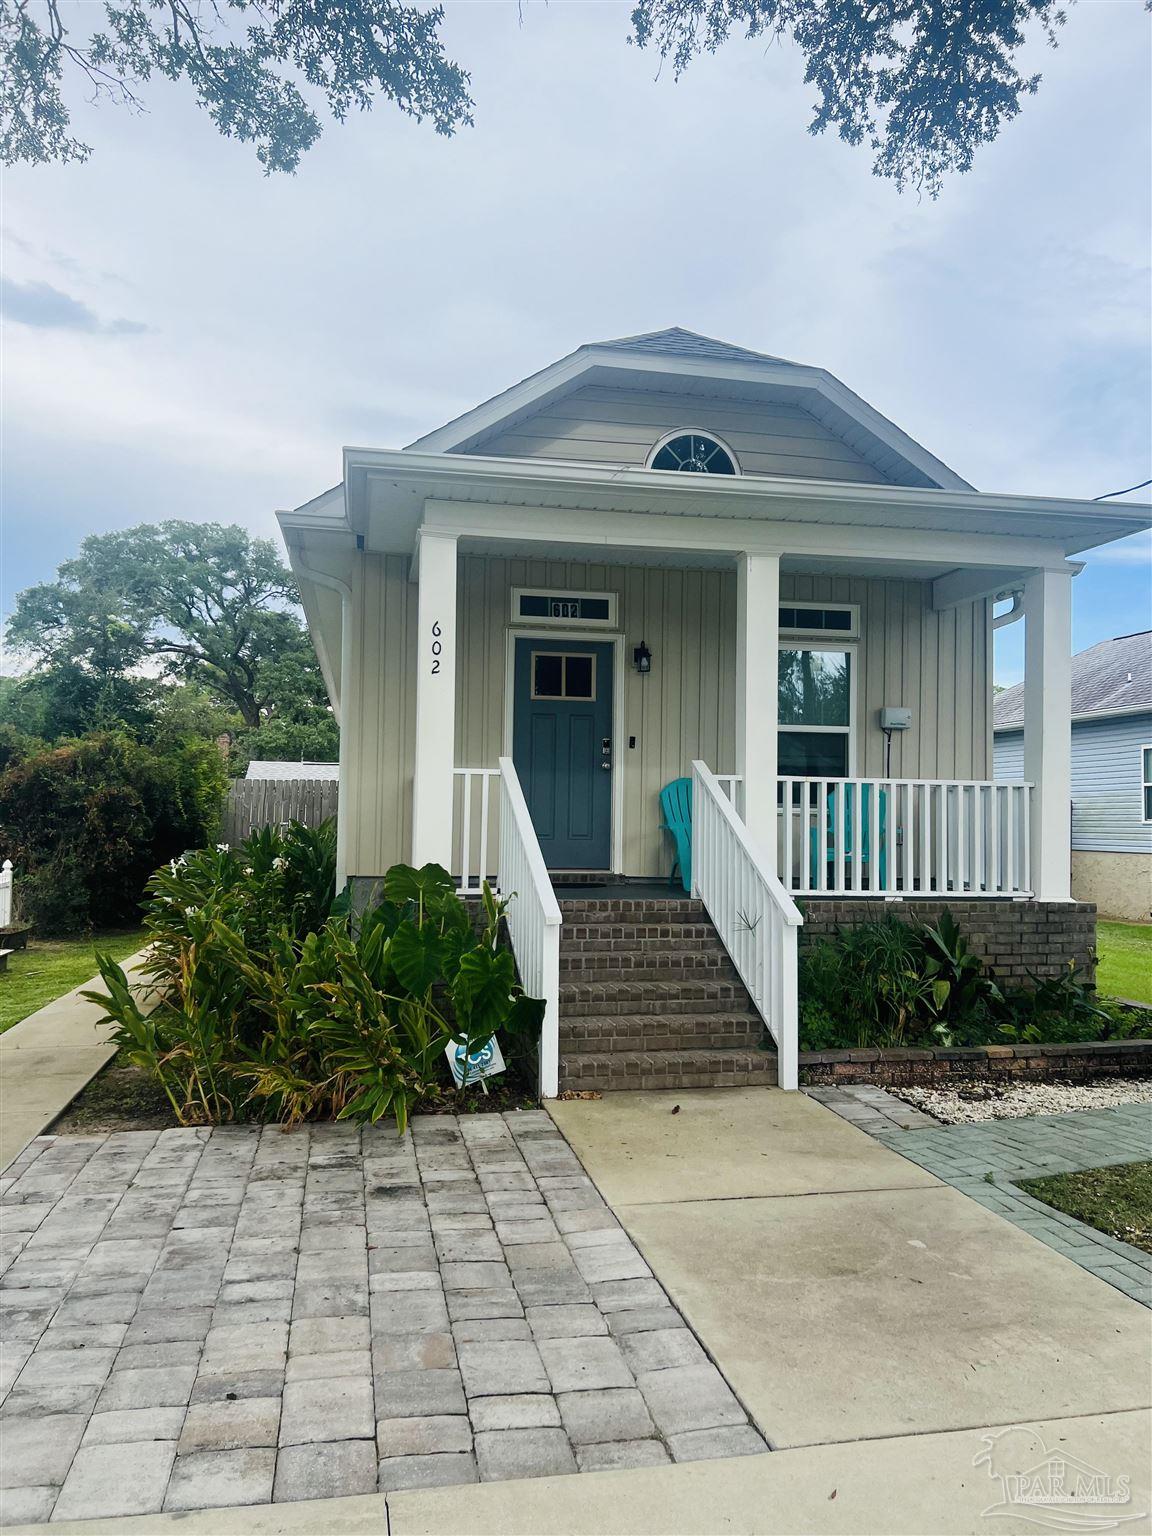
(600, 1034)
(584, 999)
(648, 939)
(610, 1071)
(616, 910)
(640, 965)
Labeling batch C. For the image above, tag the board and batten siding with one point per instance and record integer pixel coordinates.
(1106, 781)
(937, 664)
(621, 426)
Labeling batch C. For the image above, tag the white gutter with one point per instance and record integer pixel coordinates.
(334, 584)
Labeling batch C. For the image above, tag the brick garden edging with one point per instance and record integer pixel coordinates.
(1076, 1063)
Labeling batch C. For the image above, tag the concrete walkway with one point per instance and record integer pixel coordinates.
(46, 1060)
(845, 1292)
(987, 1160)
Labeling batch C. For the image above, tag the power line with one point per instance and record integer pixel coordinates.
(1109, 494)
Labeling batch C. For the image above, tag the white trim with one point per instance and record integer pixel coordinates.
(341, 713)
(580, 637)
(825, 390)
(1145, 785)
(852, 609)
(560, 594)
(714, 437)
(851, 648)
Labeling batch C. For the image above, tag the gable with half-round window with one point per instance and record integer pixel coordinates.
(694, 453)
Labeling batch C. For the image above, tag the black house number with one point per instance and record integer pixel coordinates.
(437, 648)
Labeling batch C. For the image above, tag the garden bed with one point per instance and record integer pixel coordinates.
(1055, 1062)
(972, 1102)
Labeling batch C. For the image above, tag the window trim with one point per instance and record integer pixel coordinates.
(851, 609)
(563, 595)
(1145, 786)
(692, 432)
(563, 697)
(851, 650)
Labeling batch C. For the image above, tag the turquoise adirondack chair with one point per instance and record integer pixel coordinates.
(676, 804)
(865, 840)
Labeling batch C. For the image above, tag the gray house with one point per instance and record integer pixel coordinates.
(1111, 771)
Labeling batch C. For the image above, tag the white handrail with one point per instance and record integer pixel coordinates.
(533, 918)
(754, 915)
(905, 837)
(471, 838)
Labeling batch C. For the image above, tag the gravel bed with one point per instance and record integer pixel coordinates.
(972, 1102)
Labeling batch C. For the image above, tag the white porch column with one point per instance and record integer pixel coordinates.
(1048, 728)
(757, 633)
(435, 756)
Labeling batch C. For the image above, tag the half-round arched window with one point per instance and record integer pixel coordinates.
(694, 453)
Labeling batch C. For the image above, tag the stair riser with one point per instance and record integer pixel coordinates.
(629, 1074)
(637, 966)
(579, 1043)
(694, 942)
(632, 912)
(721, 999)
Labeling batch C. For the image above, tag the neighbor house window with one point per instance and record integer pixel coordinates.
(694, 453)
(1146, 761)
(814, 713)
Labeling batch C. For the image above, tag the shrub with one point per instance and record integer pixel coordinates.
(888, 983)
(279, 1005)
(88, 820)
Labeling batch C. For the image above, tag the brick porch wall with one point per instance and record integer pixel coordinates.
(1013, 938)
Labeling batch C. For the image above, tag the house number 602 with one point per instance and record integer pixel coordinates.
(437, 648)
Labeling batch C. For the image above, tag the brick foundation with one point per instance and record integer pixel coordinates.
(1078, 1063)
(1015, 939)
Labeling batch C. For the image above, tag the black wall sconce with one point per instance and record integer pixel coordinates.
(642, 659)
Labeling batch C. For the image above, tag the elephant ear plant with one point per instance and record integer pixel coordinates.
(279, 1003)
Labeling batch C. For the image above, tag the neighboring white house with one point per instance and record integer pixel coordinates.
(666, 556)
(1111, 772)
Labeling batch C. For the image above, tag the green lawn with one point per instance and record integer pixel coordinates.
(1125, 968)
(1113, 1200)
(52, 967)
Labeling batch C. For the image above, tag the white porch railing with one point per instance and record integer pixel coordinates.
(533, 918)
(904, 837)
(754, 915)
(475, 832)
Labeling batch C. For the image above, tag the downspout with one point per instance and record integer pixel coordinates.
(1015, 612)
(334, 584)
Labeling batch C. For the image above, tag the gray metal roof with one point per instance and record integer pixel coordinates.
(1107, 678)
(272, 769)
(677, 342)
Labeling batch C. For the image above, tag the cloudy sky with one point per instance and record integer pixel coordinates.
(186, 338)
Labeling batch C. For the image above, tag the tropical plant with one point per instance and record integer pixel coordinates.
(280, 1003)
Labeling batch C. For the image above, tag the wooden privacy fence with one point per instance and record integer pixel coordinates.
(254, 803)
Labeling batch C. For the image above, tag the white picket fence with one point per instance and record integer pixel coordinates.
(6, 893)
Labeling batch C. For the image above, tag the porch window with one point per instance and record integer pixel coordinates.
(1146, 760)
(814, 713)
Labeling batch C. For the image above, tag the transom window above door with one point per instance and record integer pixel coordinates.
(563, 675)
(693, 453)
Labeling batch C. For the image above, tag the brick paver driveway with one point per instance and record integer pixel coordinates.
(200, 1318)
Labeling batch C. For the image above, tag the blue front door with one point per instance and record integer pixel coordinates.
(562, 748)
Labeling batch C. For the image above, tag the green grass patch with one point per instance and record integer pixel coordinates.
(48, 969)
(1125, 968)
(1113, 1200)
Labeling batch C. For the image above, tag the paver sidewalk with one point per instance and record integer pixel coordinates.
(986, 1161)
(197, 1319)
